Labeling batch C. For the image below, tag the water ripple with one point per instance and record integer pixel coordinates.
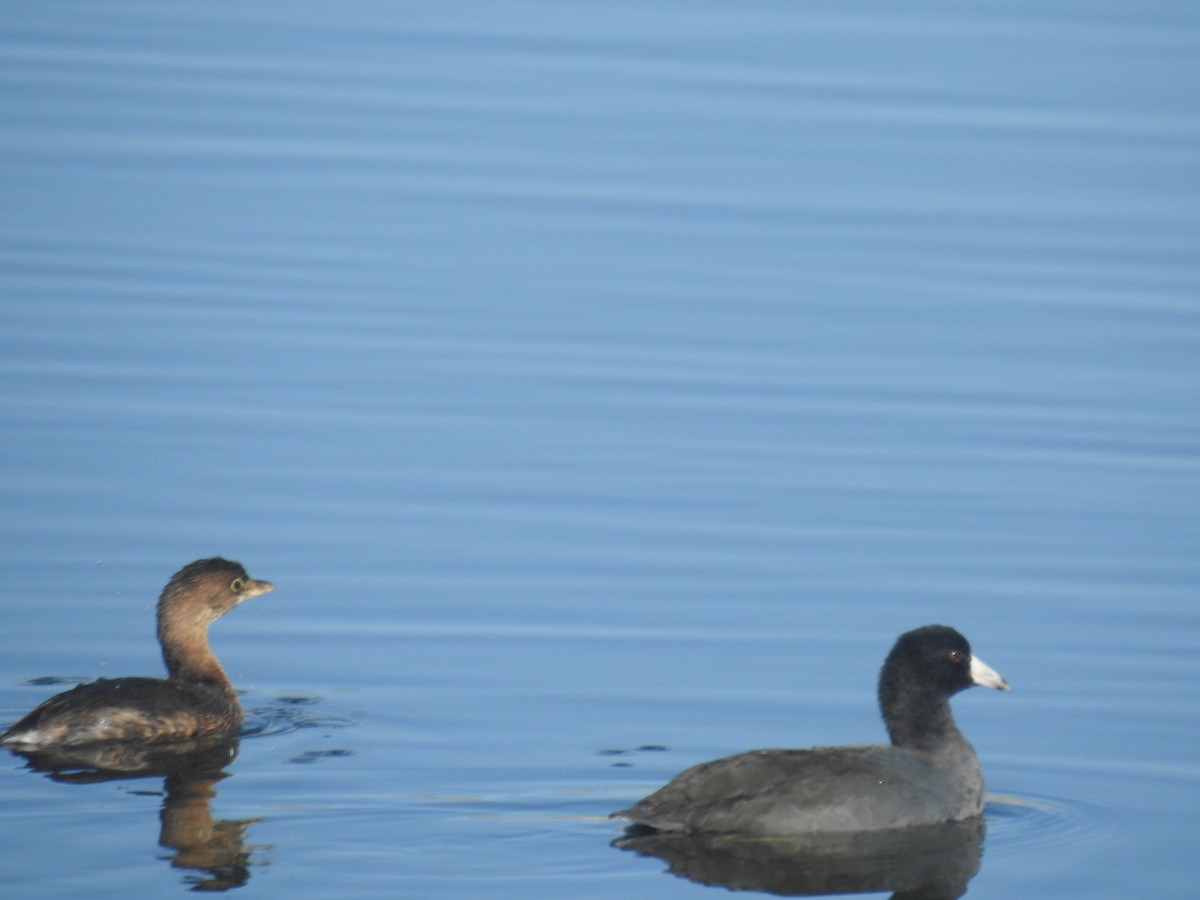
(291, 713)
(54, 680)
(1018, 823)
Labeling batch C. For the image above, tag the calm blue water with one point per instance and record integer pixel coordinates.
(604, 388)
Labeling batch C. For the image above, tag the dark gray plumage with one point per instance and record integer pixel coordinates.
(928, 774)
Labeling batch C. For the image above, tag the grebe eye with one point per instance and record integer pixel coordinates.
(237, 585)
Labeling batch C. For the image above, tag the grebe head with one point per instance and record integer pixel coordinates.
(207, 589)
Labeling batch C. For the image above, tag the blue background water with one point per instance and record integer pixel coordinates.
(595, 377)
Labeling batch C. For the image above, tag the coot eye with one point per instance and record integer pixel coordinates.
(957, 656)
(237, 585)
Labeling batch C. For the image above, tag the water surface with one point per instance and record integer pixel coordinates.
(604, 390)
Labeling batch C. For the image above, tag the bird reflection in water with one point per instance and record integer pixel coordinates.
(926, 862)
(213, 851)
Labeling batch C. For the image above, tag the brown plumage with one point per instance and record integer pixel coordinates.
(196, 698)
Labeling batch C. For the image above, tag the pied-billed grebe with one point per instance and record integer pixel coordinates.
(196, 698)
(928, 775)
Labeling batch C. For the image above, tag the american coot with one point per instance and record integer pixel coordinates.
(195, 699)
(929, 774)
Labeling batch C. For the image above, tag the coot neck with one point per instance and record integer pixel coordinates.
(922, 723)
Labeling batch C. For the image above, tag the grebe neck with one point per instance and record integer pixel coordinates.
(187, 654)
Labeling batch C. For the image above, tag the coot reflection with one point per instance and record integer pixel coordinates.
(931, 862)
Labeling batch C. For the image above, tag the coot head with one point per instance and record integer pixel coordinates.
(926, 667)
